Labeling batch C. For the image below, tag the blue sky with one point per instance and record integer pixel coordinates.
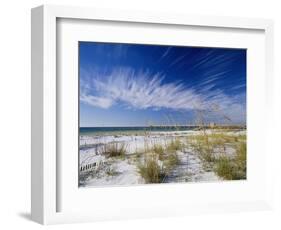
(138, 85)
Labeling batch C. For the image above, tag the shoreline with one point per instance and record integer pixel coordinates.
(129, 130)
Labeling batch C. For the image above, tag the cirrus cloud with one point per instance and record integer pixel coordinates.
(146, 90)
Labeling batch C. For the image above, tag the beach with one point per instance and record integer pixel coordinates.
(157, 114)
(161, 156)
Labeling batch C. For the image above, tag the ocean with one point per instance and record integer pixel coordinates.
(94, 131)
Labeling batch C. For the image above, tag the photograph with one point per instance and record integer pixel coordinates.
(157, 114)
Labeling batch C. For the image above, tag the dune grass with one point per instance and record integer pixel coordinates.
(174, 145)
(159, 161)
(158, 149)
(211, 148)
(151, 170)
(225, 168)
(233, 168)
(171, 161)
(114, 150)
(202, 145)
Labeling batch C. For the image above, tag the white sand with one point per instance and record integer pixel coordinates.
(125, 171)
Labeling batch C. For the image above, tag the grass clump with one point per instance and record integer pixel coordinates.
(233, 168)
(151, 170)
(225, 168)
(211, 148)
(174, 145)
(207, 156)
(171, 161)
(203, 146)
(114, 150)
(241, 159)
(158, 149)
(159, 160)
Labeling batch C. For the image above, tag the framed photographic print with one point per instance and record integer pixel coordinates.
(161, 114)
(138, 114)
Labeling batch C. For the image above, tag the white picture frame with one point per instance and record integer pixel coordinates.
(46, 182)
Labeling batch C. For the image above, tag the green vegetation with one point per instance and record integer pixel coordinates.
(114, 150)
(225, 168)
(235, 168)
(220, 151)
(174, 145)
(159, 161)
(211, 148)
(204, 148)
(150, 169)
(158, 149)
(171, 161)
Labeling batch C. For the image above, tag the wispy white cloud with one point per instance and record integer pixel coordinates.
(177, 60)
(101, 102)
(144, 90)
(212, 77)
(239, 86)
(166, 52)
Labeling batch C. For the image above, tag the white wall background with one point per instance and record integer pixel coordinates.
(15, 112)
